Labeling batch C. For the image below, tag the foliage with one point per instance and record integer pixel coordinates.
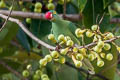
(35, 62)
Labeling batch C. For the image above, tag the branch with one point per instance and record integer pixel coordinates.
(41, 16)
(12, 70)
(71, 17)
(7, 17)
(94, 43)
(115, 20)
(64, 9)
(28, 32)
(28, 0)
(86, 72)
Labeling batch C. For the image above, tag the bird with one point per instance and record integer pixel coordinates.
(67, 28)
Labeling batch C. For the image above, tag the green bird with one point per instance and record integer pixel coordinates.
(67, 28)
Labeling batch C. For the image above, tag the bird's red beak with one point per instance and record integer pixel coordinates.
(48, 15)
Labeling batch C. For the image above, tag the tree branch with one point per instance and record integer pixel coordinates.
(7, 17)
(115, 20)
(86, 72)
(94, 43)
(28, 32)
(12, 70)
(71, 17)
(41, 16)
(64, 9)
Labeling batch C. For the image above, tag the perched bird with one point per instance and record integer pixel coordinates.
(67, 28)
(60, 26)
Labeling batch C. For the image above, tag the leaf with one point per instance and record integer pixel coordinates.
(59, 8)
(23, 55)
(3, 33)
(114, 9)
(71, 9)
(40, 28)
(35, 27)
(94, 8)
(117, 33)
(112, 12)
(8, 33)
(68, 72)
(9, 76)
(75, 3)
(105, 25)
(107, 3)
(45, 28)
(90, 12)
(109, 69)
(22, 39)
(10, 63)
(82, 4)
(8, 50)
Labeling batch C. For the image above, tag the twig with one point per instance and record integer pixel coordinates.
(100, 76)
(41, 16)
(28, 32)
(115, 20)
(29, 0)
(101, 19)
(86, 72)
(94, 43)
(71, 17)
(12, 70)
(88, 75)
(7, 18)
(64, 9)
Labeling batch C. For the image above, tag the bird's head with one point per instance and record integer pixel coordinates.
(51, 15)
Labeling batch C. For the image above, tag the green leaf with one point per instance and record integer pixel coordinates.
(68, 72)
(82, 4)
(114, 9)
(71, 9)
(8, 33)
(10, 63)
(23, 40)
(112, 12)
(9, 76)
(23, 55)
(117, 33)
(59, 8)
(109, 69)
(45, 28)
(105, 24)
(107, 3)
(8, 50)
(35, 27)
(91, 11)
(94, 8)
